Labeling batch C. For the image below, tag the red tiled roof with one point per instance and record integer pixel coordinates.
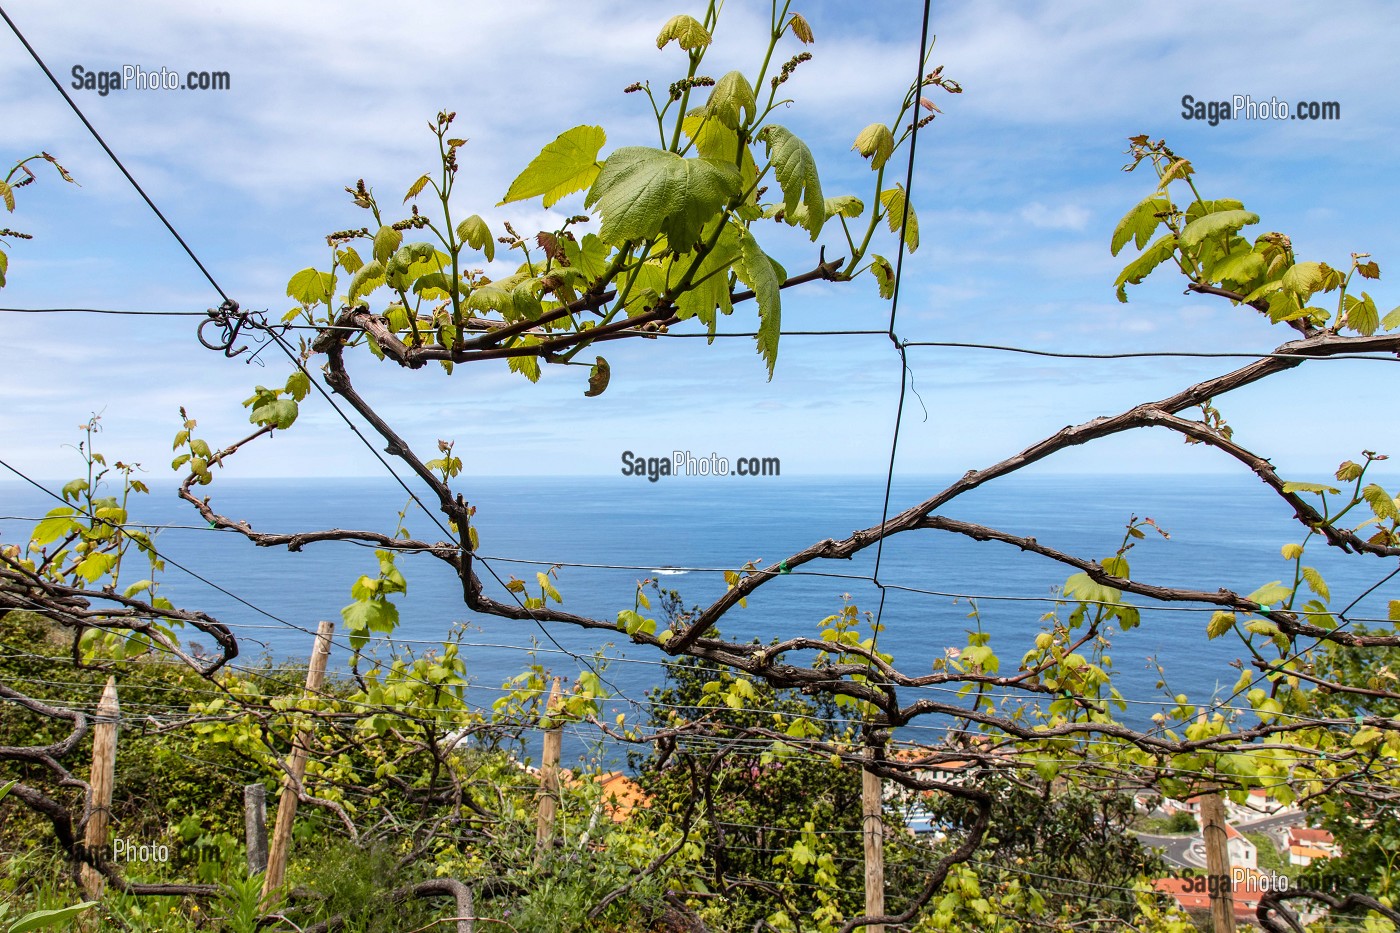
(1298, 835)
(622, 795)
(1246, 902)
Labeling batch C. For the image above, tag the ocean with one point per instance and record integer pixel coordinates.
(1225, 531)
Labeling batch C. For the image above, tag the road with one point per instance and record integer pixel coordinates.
(1270, 823)
(1179, 851)
(1188, 851)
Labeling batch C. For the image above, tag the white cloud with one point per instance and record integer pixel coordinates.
(1063, 217)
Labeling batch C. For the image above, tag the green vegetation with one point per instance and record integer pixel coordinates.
(1180, 823)
(1269, 857)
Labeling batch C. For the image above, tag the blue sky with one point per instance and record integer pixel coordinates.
(1017, 185)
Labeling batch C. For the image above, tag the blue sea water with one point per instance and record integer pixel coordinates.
(1224, 531)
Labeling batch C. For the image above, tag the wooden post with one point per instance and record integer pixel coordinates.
(101, 779)
(255, 827)
(296, 765)
(1222, 900)
(549, 777)
(872, 804)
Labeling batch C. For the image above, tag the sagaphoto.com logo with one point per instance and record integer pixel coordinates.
(1244, 107)
(134, 77)
(684, 463)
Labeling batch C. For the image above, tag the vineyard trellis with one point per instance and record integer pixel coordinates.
(647, 272)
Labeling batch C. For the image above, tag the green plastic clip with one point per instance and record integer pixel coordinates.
(783, 568)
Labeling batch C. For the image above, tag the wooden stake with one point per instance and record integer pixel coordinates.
(549, 777)
(255, 827)
(101, 779)
(296, 765)
(1222, 901)
(872, 803)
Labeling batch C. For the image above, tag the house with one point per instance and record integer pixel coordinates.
(1247, 887)
(1243, 853)
(1192, 894)
(1191, 805)
(621, 795)
(925, 764)
(1259, 802)
(1305, 844)
(932, 764)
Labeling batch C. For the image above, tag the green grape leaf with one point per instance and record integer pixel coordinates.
(527, 366)
(370, 277)
(732, 102)
(1221, 222)
(686, 30)
(796, 169)
(897, 211)
(1310, 487)
(57, 523)
(589, 256)
(1137, 270)
(370, 615)
(1362, 315)
(1304, 278)
(566, 165)
(310, 287)
(386, 241)
(884, 274)
(1137, 225)
(1082, 587)
(756, 270)
(844, 205)
(416, 188)
(1240, 267)
(474, 232)
(349, 260)
(1380, 502)
(1316, 583)
(278, 412)
(711, 293)
(1270, 593)
(643, 191)
(875, 143)
(1220, 623)
(95, 566)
